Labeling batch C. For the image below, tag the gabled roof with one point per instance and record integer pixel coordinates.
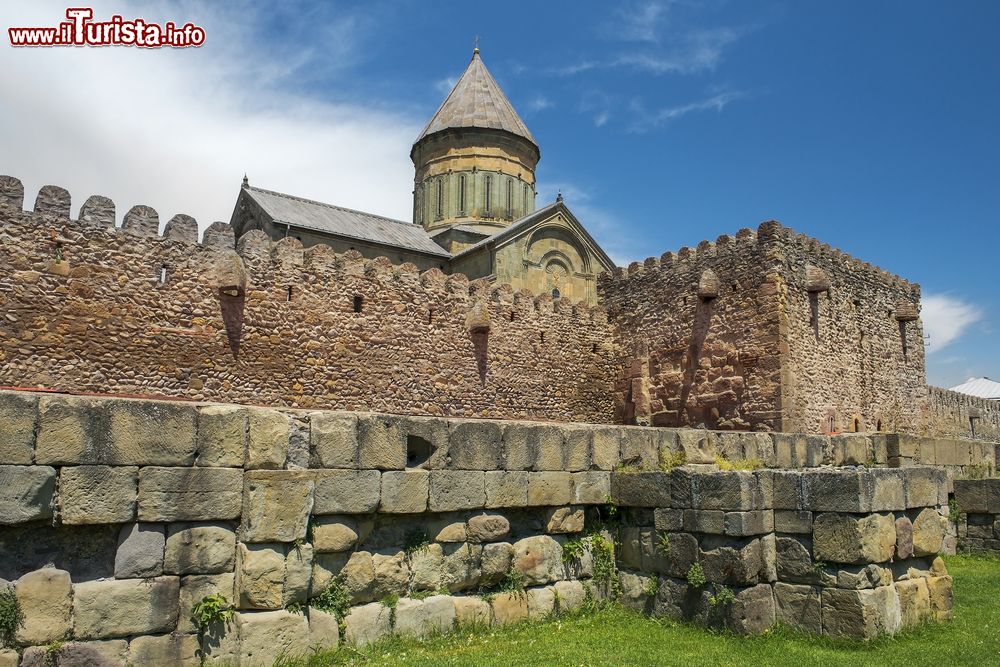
(980, 387)
(477, 101)
(340, 221)
(523, 225)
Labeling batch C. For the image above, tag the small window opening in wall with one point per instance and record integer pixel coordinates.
(430, 316)
(512, 316)
(359, 302)
(878, 426)
(736, 287)
(902, 338)
(555, 293)
(593, 348)
(418, 451)
(831, 425)
(59, 252)
(541, 337)
(857, 425)
(684, 300)
(288, 294)
(161, 279)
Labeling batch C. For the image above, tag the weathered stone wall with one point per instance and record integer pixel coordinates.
(699, 334)
(951, 414)
(855, 358)
(93, 308)
(840, 552)
(767, 330)
(977, 502)
(117, 515)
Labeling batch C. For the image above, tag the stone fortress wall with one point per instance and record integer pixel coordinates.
(767, 329)
(89, 307)
(118, 515)
(977, 502)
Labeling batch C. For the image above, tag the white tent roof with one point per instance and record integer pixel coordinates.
(980, 387)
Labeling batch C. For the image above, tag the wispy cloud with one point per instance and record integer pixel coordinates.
(640, 22)
(539, 103)
(177, 129)
(946, 319)
(694, 52)
(646, 120)
(444, 85)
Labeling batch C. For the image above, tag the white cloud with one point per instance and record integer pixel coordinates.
(539, 103)
(445, 85)
(177, 129)
(646, 120)
(946, 319)
(640, 23)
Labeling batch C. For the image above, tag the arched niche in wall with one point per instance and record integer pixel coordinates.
(554, 238)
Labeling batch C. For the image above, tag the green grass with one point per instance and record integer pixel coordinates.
(619, 637)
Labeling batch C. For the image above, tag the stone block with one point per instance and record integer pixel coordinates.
(446, 529)
(550, 488)
(10, 658)
(298, 574)
(338, 533)
(640, 447)
(194, 588)
(268, 636)
(405, 491)
(18, 415)
(769, 558)
(592, 487)
(668, 519)
(836, 491)
(727, 561)
(495, 562)
(570, 595)
(793, 521)
(333, 440)
(541, 602)
(151, 433)
(852, 449)
(199, 548)
(704, 521)
(471, 612)
(914, 601)
(698, 445)
(392, 574)
(189, 494)
(140, 551)
(929, 530)
(527, 446)
(793, 560)
(475, 444)
(971, 495)
(860, 614)
(904, 538)
(427, 442)
(452, 490)
(260, 576)
(539, 559)
(172, 649)
(324, 631)
(98, 494)
(509, 608)
(576, 450)
(729, 490)
(844, 538)
(953, 452)
(752, 612)
(100, 653)
(641, 489)
(222, 436)
(755, 522)
(46, 599)
(787, 492)
(941, 596)
(488, 528)
(630, 547)
(26, 493)
(796, 450)
(425, 568)
(105, 609)
(506, 489)
(276, 505)
(886, 489)
(381, 443)
(359, 577)
(759, 447)
(267, 439)
(346, 491)
(420, 618)
(327, 566)
(925, 487)
(72, 430)
(606, 447)
(798, 607)
(461, 566)
(367, 624)
(563, 520)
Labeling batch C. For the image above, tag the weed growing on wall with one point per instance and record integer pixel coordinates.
(390, 602)
(663, 543)
(334, 600)
(211, 610)
(722, 597)
(739, 464)
(11, 617)
(513, 583)
(696, 576)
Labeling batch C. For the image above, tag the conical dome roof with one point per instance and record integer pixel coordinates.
(477, 101)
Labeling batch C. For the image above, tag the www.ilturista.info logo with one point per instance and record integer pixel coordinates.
(80, 30)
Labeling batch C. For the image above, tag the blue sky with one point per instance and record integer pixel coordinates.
(870, 125)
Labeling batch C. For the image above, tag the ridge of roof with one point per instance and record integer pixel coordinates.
(333, 206)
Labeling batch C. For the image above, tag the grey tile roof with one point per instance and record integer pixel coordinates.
(340, 221)
(477, 101)
(980, 387)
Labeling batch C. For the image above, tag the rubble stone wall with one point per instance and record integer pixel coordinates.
(951, 414)
(977, 504)
(117, 516)
(88, 307)
(839, 552)
(766, 330)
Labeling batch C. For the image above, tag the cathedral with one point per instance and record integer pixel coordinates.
(474, 206)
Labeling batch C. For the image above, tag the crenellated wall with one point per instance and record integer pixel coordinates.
(770, 329)
(89, 307)
(951, 414)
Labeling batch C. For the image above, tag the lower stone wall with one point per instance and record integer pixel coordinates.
(977, 510)
(839, 552)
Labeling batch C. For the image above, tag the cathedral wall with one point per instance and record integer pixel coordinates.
(94, 308)
(699, 332)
